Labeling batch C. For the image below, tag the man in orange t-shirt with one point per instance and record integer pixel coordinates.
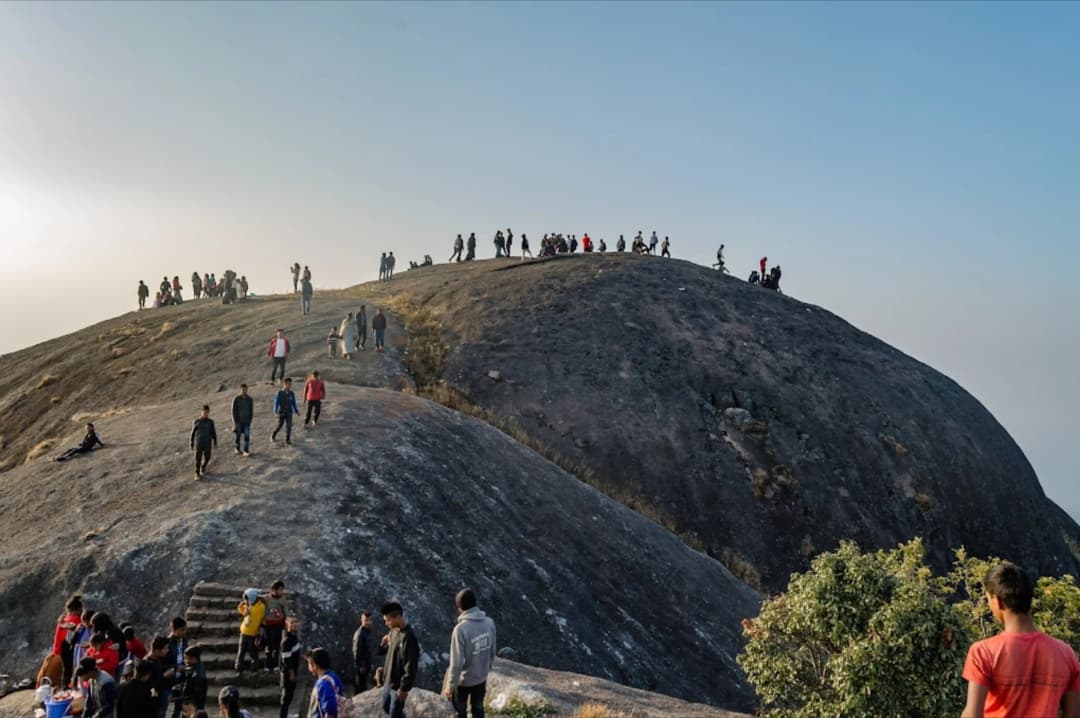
(1021, 672)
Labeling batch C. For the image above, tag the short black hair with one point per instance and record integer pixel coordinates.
(365, 612)
(74, 604)
(206, 407)
(87, 616)
(243, 386)
(143, 668)
(314, 373)
(129, 632)
(279, 583)
(194, 651)
(158, 643)
(98, 639)
(1008, 583)
(287, 379)
(391, 608)
(465, 599)
(320, 657)
(87, 665)
(178, 622)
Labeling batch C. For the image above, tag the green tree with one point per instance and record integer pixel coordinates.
(859, 634)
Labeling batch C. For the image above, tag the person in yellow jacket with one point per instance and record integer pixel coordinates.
(253, 609)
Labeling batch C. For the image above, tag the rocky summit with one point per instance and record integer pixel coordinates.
(617, 452)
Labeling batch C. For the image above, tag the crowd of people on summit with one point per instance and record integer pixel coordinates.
(98, 669)
(230, 289)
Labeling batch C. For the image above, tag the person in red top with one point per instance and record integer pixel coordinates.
(278, 352)
(104, 653)
(586, 243)
(764, 264)
(314, 393)
(67, 629)
(1021, 672)
(133, 643)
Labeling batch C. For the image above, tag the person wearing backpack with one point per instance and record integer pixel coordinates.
(328, 694)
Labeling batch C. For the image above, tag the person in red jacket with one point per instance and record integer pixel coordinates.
(67, 629)
(278, 352)
(133, 643)
(586, 243)
(314, 393)
(764, 264)
(104, 653)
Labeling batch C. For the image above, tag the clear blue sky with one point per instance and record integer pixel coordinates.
(914, 167)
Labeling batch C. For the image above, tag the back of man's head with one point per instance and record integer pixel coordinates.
(391, 609)
(1010, 585)
(465, 599)
(320, 657)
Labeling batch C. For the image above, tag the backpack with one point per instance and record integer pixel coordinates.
(345, 707)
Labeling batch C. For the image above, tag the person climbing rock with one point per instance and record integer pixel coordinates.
(89, 441)
(203, 437)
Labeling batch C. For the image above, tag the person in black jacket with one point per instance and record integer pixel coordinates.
(402, 660)
(289, 663)
(89, 441)
(192, 688)
(243, 411)
(203, 435)
(363, 650)
(133, 699)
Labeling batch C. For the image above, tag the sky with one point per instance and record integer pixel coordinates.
(914, 167)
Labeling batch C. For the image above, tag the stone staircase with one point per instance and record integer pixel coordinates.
(214, 624)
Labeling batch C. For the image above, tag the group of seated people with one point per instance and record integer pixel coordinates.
(426, 263)
(770, 281)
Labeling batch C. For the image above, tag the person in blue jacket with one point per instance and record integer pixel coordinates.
(285, 407)
(324, 695)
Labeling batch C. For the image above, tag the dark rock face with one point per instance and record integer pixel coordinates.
(391, 497)
(766, 428)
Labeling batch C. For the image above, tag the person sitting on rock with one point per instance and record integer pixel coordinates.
(754, 278)
(89, 441)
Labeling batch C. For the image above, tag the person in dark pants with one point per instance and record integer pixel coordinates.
(314, 393)
(89, 441)
(163, 671)
(192, 687)
(243, 411)
(133, 699)
(277, 608)
(402, 659)
(289, 663)
(378, 325)
(203, 436)
(472, 651)
(278, 352)
(361, 328)
(285, 408)
(363, 650)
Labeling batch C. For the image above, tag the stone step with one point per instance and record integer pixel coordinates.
(249, 678)
(214, 627)
(216, 613)
(219, 590)
(217, 644)
(213, 602)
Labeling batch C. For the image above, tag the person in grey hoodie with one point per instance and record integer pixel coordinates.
(472, 651)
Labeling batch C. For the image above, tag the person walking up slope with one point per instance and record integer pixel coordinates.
(378, 325)
(243, 411)
(203, 436)
(472, 651)
(284, 409)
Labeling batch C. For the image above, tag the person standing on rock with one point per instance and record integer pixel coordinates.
(764, 263)
(459, 246)
(196, 285)
(402, 660)
(472, 651)
(347, 332)
(101, 701)
(327, 688)
(382, 267)
(314, 393)
(361, 328)
(295, 269)
(665, 248)
(470, 247)
(363, 651)
(162, 673)
(243, 411)
(306, 291)
(253, 608)
(203, 437)
(278, 353)
(277, 608)
(284, 409)
(1021, 671)
(525, 247)
(144, 292)
(378, 325)
(289, 663)
(390, 262)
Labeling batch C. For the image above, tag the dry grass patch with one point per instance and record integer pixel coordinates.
(46, 381)
(39, 450)
(166, 329)
(597, 710)
(740, 567)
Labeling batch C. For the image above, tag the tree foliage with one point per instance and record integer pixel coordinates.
(878, 634)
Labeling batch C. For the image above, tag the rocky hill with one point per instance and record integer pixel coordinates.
(759, 428)
(392, 496)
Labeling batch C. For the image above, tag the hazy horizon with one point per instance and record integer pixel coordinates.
(913, 167)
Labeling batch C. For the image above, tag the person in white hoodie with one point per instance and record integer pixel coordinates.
(472, 651)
